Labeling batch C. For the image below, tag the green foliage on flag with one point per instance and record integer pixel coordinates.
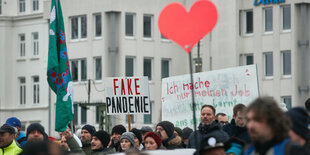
(58, 69)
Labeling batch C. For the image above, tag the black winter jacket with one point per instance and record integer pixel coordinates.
(213, 129)
(235, 131)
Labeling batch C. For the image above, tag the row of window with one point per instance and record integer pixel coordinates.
(35, 90)
(248, 59)
(79, 26)
(34, 44)
(79, 68)
(22, 5)
(268, 19)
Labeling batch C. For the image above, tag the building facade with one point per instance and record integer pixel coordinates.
(115, 38)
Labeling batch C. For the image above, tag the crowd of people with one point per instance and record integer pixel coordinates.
(262, 128)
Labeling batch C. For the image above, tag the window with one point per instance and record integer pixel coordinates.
(98, 30)
(287, 100)
(148, 117)
(246, 59)
(35, 40)
(0, 7)
(79, 72)
(286, 20)
(164, 68)
(83, 114)
(74, 28)
(97, 114)
(286, 55)
(83, 70)
(22, 5)
(147, 26)
(268, 20)
(36, 90)
(249, 59)
(163, 37)
(249, 22)
(22, 45)
(268, 64)
(35, 5)
(129, 66)
(79, 27)
(75, 70)
(147, 68)
(132, 118)
(75, 119)
(129, 24)
(98, 68)
(22, 90)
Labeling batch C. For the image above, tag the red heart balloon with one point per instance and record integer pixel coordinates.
(187, 28)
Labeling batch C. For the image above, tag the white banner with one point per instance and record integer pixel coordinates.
(222, 89)
(127, 95)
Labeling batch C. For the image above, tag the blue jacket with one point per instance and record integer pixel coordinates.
(213, 129)
(21, 139)
(285, 147)
(235, 131)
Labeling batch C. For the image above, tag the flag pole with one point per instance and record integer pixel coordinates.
(129, 122)
(193, 98)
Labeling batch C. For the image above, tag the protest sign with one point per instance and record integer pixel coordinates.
(127, 95)
(222, 89)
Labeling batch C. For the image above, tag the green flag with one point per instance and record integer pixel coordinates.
(58, 69)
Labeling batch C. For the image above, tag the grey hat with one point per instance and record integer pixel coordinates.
(129, 136)
(146, 129)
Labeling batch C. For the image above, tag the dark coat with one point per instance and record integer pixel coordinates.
(213, 129)
(235, 131)
(173, 142)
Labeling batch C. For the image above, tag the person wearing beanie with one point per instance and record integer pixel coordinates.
(138, 138)
(20, 136)
(99, 143)
(152, 141)
(86, 137)
(169, 140)
(35, 132)
(144, 130)
(127, 141)
(186, 132)
(299, 130)
(116, 134)
(178, 132)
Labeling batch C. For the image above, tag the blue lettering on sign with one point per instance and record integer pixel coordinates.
(265, 2)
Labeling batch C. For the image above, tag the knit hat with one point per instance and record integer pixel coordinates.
(118, 129)
(137, 133)
(35, 126)
(91, 129)
(129, 136)
(299, 117)
(14, 122)
(103, 136)
(145, 129)
(155, 136)
(179, 131)
(168, 127)
(187, 132)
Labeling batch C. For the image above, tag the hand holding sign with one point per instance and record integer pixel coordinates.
(187, 28)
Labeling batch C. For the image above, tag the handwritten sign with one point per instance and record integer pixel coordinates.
(222, 89)
(127, 95)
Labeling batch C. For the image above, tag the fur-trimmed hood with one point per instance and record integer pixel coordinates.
(175, 141)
